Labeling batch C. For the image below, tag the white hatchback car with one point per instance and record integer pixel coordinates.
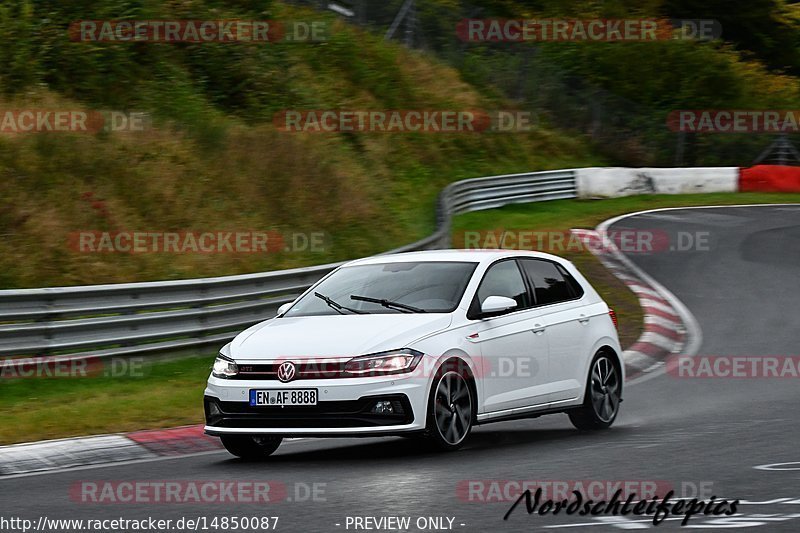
(422, 343)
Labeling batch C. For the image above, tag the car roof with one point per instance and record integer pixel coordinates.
(467, 255)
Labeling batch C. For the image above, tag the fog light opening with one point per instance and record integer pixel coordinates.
(213, 413)
(383, 408)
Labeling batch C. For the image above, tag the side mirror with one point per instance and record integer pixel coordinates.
(497, 304)
(285, 307)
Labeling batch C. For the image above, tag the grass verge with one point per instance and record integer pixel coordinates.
(157, 395)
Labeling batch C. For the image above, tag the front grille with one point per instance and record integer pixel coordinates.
(305, 370)
(337, 414)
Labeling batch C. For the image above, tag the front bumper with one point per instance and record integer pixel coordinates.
(343, 409)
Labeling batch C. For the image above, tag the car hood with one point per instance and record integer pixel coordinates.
(319, 337)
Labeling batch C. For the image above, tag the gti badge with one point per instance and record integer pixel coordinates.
(286, 372)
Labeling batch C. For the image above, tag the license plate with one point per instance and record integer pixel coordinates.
(282, 398)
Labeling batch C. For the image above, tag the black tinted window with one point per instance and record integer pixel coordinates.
(548, 282)
(504, 279)
(575, 287)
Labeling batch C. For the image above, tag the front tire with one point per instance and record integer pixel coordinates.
(602, 397)
(450, 411)
(251, 447)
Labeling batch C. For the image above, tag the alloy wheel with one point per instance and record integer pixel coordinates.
(453, 408)
(605, 389)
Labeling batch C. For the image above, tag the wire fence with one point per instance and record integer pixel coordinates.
(625, 132)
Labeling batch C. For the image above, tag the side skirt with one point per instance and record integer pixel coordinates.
(525, 412)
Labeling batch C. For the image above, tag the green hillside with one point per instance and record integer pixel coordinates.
(212, 159)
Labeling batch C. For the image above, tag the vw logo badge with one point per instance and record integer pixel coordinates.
(286, 372)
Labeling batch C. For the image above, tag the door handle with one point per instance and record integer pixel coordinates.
(538, 329)
(583, 319)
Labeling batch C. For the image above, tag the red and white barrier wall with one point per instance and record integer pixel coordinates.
(770, 178)
(609, 182)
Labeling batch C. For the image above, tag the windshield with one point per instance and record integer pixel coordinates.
(410, 287)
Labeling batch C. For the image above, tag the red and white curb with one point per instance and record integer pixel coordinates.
(669, 327)
(29, 458)
(664, 332)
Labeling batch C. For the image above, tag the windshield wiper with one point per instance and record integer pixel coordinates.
(387, 303)
(337, 306)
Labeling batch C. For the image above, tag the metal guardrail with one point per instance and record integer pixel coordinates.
(156, 317)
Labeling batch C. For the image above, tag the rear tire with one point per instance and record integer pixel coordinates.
(603, 395)
(251, 447)
(450, 409)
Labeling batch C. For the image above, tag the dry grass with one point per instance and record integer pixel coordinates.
(368, 192)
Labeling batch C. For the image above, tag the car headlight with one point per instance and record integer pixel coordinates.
(393, 362)
(224, 367)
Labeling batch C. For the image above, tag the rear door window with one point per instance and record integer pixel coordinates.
(550, 283)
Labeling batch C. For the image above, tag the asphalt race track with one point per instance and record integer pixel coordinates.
(705, 435)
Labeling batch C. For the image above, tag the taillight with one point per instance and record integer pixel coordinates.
(613, 316)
